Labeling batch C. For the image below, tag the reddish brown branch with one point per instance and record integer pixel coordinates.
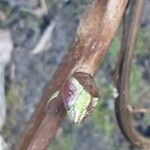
(95, 33)
(49, 125)
(123, 116)
(104, 34)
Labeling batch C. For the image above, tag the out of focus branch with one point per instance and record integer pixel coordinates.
(6, 47)
(45, 40)
(95, 33)
(42, 10)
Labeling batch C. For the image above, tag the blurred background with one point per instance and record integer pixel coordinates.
(34, 36)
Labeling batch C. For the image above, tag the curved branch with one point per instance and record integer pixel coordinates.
(130, 29)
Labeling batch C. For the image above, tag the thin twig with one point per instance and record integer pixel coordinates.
(138, 110)
(123, 116)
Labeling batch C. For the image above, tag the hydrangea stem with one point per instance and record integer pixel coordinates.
(84, 56)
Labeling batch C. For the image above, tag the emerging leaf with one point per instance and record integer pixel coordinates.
(80, 96)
